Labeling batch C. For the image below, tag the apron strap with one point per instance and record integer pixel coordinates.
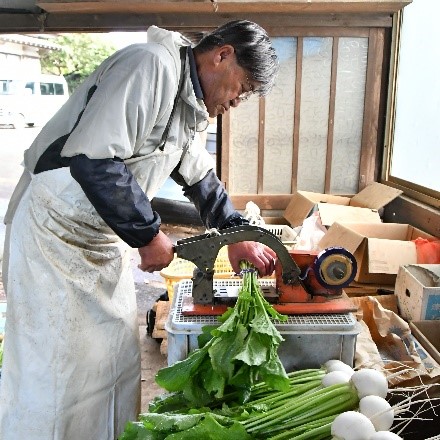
(183, 52)
(51, 158)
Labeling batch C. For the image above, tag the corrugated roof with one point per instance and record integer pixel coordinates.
(30, 41)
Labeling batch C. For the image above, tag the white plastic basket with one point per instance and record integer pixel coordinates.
(309, 340)
(284, 232)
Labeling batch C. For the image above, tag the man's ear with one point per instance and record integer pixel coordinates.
(224, 53)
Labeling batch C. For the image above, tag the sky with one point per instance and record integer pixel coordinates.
(122, 39)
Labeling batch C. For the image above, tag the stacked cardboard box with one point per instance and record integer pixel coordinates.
(354, 223)
(363, 207)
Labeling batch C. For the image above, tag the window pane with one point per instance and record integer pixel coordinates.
(278, 136)
(415, 154)
(349, 109)
(47, 89)
(315, 94)
(59, 89)
(243, 165)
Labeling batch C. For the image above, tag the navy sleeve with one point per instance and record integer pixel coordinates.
(211, 201)
(117, 197)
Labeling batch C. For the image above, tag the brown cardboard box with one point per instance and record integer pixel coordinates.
(418, 291)
(428, 334)
(362, 207)
(379, 248)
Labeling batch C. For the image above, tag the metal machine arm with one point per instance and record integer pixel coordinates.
(203, 249)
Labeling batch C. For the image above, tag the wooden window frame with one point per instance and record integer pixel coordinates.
(372, 130)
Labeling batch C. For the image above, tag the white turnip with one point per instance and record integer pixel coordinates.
(337, 365)
(385, 435)
(335, 377)
(352, 425)
(370, 382)
(378, 410)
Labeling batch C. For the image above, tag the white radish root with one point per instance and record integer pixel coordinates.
(370, 382)
(378, 410)
(385, 435)
(337, 365)
(352, 425)
(334, 378)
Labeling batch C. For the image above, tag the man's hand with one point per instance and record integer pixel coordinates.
(157, 254)
(261, 256)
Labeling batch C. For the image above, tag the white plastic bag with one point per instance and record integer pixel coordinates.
(252, 213)
(311, 233)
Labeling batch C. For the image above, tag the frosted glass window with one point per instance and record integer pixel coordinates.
(279, 112)
(349, 109)
(315, 94)
(243, 156)
(415, 155)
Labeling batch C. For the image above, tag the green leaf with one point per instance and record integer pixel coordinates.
(168, 402)
(224, 349)
(274, 374)
(210, 429)
(194, 389)
(169, 422)
(229, 325)
(176, 376)
(262, 324)
(212, 381)
(206, 335)
(137, 431)
(255, 349)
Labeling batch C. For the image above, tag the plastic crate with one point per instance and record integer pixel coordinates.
(180, 269)
(285, 233)
(309, 340)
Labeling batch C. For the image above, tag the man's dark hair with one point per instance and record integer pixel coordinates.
(253, 50)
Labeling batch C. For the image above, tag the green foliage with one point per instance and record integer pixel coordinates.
(242, 350)
(184, 427)
(80, 56)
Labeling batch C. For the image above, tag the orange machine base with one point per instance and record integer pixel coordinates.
(342, 304)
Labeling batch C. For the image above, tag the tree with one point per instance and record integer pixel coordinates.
(80, 56)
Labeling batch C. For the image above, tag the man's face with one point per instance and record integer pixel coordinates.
(224, 83)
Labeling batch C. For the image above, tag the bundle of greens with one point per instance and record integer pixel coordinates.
(240, 352)
(305, 411)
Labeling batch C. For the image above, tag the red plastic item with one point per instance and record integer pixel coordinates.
(428, 251)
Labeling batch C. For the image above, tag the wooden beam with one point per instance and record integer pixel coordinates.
(261, 143)
(372, 102)
(331, 116)
(226, 150)
(223, 6)
(277, 24)
(297, 115)
(264, 201)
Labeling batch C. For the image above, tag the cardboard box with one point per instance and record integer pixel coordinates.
(362, 207)
(379, 248)
(428, 334)
(418, 291)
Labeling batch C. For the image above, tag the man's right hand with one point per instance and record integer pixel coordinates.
(157, 254)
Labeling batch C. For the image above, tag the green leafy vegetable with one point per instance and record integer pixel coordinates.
(242, 351)
(184, 427)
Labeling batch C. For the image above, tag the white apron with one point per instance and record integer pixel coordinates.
(72, 327)
(71, 358)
